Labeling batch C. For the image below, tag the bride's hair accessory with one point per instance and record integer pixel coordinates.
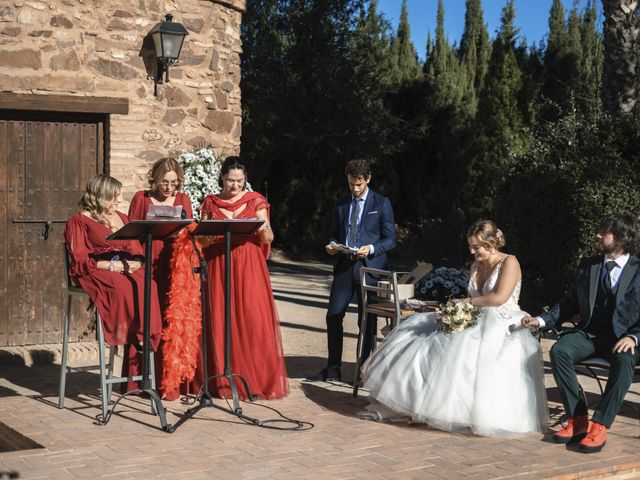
(487, 233)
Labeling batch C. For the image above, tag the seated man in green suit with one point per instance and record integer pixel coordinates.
(605, 294)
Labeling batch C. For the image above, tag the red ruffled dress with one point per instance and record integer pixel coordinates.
(115, 295)
(255, 339)
(162, 250)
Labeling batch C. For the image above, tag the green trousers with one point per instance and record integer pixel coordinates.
(575, 347)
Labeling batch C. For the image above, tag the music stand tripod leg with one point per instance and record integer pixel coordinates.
(206, 400)
(145, 383)
(227, 330)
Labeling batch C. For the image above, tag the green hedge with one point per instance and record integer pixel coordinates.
(576, 171)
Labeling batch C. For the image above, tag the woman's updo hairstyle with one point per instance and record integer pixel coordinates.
(232, 163)
(488, 234)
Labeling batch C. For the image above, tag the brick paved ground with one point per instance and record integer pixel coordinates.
(214, 444)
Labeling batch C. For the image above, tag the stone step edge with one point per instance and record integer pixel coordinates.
(29, 355)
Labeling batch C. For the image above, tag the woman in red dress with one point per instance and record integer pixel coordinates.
(256, 347)
(165, 182)
(110, 271)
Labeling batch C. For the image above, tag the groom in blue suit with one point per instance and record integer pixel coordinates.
(605, 294)
(364, 221)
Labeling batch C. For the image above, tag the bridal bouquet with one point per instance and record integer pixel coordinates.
(457, 315)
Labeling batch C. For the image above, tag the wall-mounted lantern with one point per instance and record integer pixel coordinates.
(168, 37)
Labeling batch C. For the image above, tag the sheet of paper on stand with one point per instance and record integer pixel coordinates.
(158, 212)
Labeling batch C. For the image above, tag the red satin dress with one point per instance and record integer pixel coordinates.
(162, 250)
(255, 339)
(114, 294)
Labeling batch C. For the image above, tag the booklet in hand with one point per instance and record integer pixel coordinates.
(344, 248)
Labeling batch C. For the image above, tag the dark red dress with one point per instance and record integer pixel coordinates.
(256, 342)
(115, 295)
(162, 250)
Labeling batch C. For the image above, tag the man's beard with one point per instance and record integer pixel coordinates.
(609, 249)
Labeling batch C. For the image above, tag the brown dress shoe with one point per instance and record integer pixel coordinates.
(575, 430)
(595, 439)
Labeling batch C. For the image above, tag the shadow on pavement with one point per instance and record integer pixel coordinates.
(337, 398)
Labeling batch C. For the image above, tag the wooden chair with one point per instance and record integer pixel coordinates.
(107, 378)
(380, 300)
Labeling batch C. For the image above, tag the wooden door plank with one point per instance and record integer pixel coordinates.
(16, 262)
(77, 171)
(4, 232)
(53, 299)
(35, 249)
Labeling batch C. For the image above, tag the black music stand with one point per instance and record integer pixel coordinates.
(148, 230)
(228, 228)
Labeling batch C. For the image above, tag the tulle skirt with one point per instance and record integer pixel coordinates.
(484, 379)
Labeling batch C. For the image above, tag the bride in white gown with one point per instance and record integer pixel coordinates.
(485, 379)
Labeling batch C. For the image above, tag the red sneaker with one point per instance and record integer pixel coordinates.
(576, 429)
(595, 439)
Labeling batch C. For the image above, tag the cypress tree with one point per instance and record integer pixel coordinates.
(445, 79)
(474, 50)
(500, 133)
(558, 35)
(405, 68)
(592, 53)
(562, 62)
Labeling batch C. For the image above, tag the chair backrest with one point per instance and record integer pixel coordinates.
(380, 292)
(72, 287)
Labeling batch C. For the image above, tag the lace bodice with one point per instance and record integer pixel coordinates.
(490, 285)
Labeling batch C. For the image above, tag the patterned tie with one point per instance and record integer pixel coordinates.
(606, 279)
(353, 223)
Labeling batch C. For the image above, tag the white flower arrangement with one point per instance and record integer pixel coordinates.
(457, 315)
(201, 173)
(441, 284)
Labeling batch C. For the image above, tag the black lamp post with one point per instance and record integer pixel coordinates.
(168, 37)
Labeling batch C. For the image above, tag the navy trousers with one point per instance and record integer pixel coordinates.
(346, 283)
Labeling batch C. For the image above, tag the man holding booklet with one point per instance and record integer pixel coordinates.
(362, 233)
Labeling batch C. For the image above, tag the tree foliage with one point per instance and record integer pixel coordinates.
(484, 127)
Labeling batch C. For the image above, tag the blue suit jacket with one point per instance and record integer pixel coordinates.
(377, 227)
(582, 296)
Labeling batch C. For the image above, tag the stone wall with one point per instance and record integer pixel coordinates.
(98, 48)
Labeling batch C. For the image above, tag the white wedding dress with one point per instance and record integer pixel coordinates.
(484, 379)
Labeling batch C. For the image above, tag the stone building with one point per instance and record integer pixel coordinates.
(77, 98)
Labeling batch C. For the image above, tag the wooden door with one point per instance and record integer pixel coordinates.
(45, 162)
